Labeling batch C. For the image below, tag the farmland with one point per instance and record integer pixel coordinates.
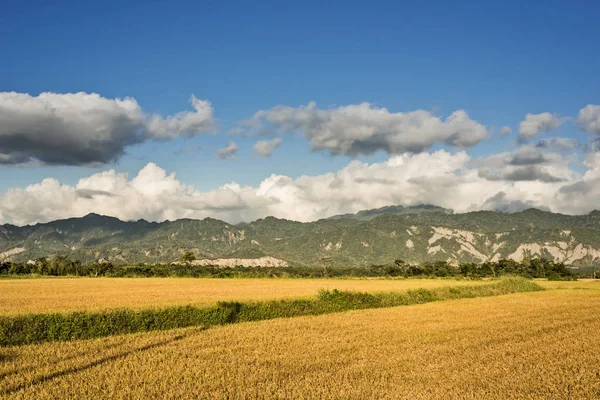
(23, 296)
(47, 295)
(526, 345)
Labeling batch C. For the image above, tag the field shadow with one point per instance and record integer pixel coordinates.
(4, 357)
(76, 369)
(50, 363)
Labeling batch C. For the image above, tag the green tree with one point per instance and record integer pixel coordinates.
(188, 257)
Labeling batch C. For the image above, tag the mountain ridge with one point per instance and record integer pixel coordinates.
(415, 234)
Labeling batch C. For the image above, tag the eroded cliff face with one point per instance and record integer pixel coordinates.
(12, 252)
(493, 247)
(244, 262)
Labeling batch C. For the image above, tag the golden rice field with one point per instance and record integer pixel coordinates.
(22, 296)
(46, 295)
(541, 345)
(579, 284)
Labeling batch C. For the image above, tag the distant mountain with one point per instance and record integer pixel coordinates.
(414, 234)
(367, 215)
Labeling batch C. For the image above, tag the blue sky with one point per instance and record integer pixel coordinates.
(496, 60)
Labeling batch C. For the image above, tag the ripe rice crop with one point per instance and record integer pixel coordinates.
(35, 328)
(50, 295)
(539, 345)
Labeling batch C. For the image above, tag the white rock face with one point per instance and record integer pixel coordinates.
(435, 249)
(496, 257)
(558, 250)
(466, 240)
(246, 262)
(496, 246)
(11, 252)
(483, 248)
(410, 244)
(441, 232)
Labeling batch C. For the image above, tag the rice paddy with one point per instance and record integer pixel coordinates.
(49, 295)
(527, 345)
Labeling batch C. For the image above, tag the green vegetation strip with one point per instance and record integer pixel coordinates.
(37, 328)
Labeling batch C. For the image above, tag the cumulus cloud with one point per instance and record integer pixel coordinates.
(506, 130)
(82, 128)
(589, 119)
(581, 195)
(534, 124)
(558, 143)
(228, 152)
(441, 178)
(264, 148)
(500, 202)
(186, 123)
(365, 128)
(526, 173)
(528, 163)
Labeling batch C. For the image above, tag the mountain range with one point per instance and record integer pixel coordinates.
(414, 234)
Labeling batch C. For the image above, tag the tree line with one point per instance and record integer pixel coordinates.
(63, 266)
(528, 268)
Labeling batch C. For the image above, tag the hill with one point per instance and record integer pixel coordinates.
(366, 215)
(414, 234)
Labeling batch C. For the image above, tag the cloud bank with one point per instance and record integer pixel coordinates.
(441, 178)
(82, 128)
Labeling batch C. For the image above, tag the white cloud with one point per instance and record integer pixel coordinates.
(365, 129)
(589, 119)
(264, 148)
(506, 130)
(81, 128)
(534, 124)
(528, 163)
(502, 203)
(440, 178)
(228, 152)
(185, 123)
(581, 195)
(558, 143)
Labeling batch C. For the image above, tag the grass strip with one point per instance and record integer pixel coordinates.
(37, 328)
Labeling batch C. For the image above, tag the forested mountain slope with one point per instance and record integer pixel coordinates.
(416, 234)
